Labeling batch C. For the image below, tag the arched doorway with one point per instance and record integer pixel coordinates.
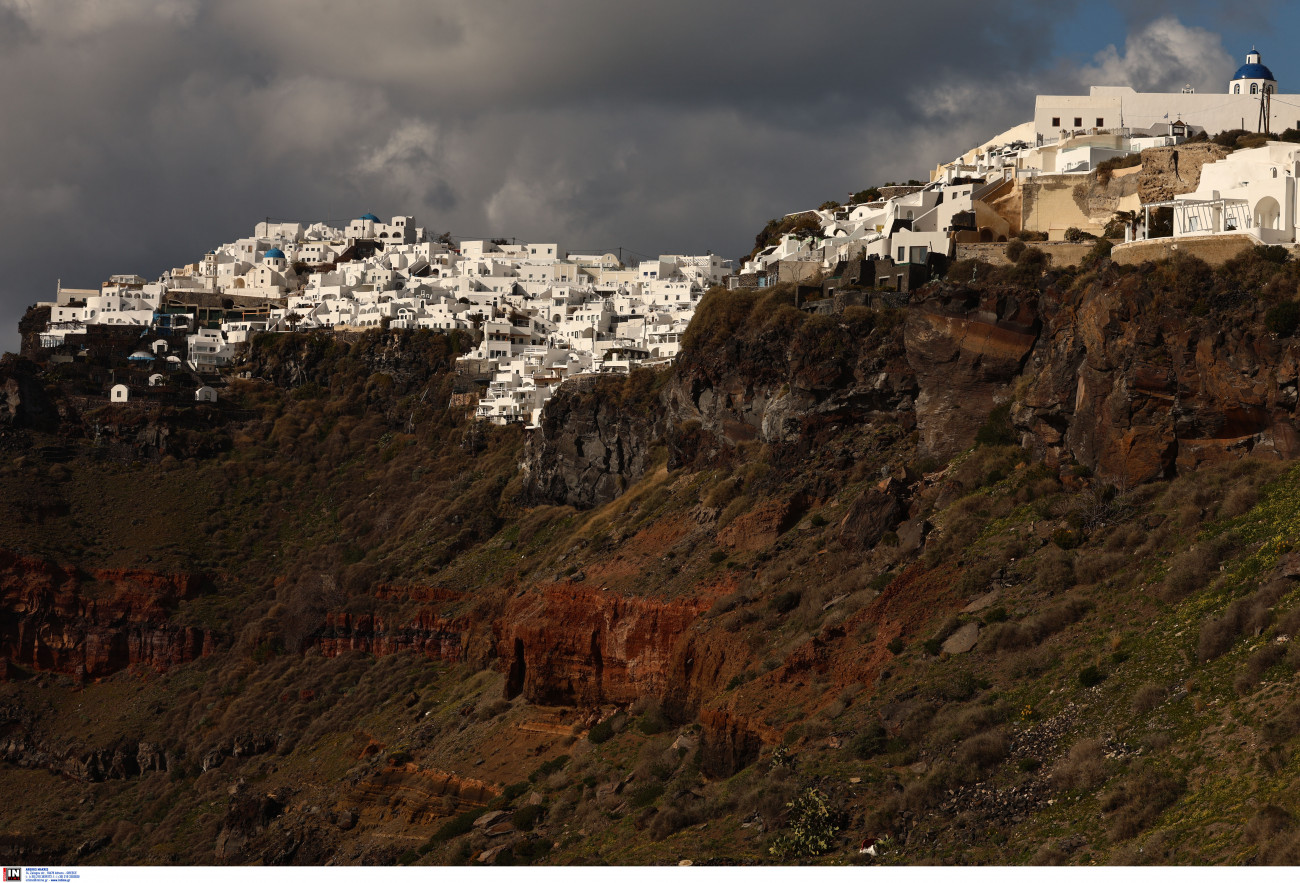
(1268, 214)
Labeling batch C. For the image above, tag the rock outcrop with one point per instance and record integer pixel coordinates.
(24, 403)
(123, 761)
(966, 348)
(592, 444)
(1170, 171)
(571, 644)
(93, 623)
(779, 387)
(1138, 392)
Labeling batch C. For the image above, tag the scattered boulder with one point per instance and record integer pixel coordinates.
(489, 818)
(983, 602)
(912, 534)
(871, 515)
(963, 640)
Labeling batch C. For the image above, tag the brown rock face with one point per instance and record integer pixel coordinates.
(781, 392)
(966, 349)
(591, 446)
(1137, 393)
(569, 645)
(1170, 171)
(874, 512)
(94, 623)
(762, 525)
(24, 403)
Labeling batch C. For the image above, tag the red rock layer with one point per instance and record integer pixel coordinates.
(428, 633)
(568, 644)
(94, 622)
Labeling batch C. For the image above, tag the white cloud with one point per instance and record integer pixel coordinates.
(1163, 56)
(71, 19)
(409, 166)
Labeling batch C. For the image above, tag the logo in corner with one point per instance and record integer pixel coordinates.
(13, 875)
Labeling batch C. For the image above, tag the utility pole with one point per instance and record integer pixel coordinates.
(1265, 111)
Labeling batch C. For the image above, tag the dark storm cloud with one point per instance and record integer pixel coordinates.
(1219, 14)
(141, 132)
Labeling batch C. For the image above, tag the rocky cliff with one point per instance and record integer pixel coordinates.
(1137, 389)
(895, 556)
(780, 381)
(594, 442)
(93, 623)
(966, 348)
(1109, 374)
(1170, 171)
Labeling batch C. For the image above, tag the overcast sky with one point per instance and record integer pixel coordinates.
(139, 133)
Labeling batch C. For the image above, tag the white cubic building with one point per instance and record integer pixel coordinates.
(1109, 108)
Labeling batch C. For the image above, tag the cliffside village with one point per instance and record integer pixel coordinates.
(545, 316)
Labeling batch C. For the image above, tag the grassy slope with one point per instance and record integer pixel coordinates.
(1088, 699)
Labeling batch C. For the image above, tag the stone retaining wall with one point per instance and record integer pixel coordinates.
(1214, 250)
(1063, 254)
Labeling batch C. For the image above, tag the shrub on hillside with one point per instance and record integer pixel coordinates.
(669, 820)
(1147, 697)
(605, 730)
(811, 829)
(1106, 168)
(1084, 768)
(984, 750)
(1091, 676)
(1283, 726)
(457, 825)
(1257, 665)
(1035, 629)
(1283, 319)
(719, 314)
(1193, 569)
(526, 817)
(786, 601)
(1244, 615)
(869, 742)
(1229, 137)
(1140, 799)
(1273, 830)
(1289, 623)
(997, 429)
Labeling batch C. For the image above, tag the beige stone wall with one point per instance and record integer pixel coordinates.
(1063, 254)
(1050, 205)
(797, 271)
(1213, 250)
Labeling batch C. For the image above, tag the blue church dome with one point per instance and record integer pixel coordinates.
(275, 253)
(1253, 72)
(369, 217)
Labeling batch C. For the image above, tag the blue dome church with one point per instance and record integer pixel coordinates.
(1252, 78)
